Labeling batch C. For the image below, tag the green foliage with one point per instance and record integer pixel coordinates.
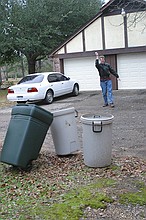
(36, 27)
(76, 14)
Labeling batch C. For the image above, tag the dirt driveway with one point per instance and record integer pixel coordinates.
(129, 126)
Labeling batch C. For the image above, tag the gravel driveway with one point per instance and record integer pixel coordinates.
(129, 126)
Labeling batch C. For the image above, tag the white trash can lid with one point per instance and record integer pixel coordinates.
(63, 111)
(89, 119)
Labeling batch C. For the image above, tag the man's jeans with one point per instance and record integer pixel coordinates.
(106, 87)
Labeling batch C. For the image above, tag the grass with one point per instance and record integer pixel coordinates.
(3, 90)
(134, 198)
(3, 94)
(3, 99)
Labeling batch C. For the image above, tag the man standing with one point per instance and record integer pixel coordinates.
(105, 81)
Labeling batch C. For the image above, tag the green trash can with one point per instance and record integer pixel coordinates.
(25, 135)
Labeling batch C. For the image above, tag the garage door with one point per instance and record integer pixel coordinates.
(84, 71)
(132, 71)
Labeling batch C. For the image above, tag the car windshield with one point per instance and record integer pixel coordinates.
(32, 79)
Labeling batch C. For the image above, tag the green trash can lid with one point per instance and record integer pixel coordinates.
(34, 111)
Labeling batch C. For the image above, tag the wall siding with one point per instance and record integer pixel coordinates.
(93, 36)
(62, 50)
(114, 32)
(76, 44)
(137, 29)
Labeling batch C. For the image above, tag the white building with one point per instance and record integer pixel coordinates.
(118, 31)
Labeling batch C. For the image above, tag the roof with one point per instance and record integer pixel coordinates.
(110, 8)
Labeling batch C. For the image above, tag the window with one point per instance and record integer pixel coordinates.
(57, 77)
(52, 78)
(31, 79)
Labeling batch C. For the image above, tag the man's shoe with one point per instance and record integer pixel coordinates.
(105, 105)
(112, 105)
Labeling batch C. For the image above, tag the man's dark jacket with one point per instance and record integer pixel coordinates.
(105, 70)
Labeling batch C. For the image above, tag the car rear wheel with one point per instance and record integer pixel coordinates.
(75, 91)
(49, 97)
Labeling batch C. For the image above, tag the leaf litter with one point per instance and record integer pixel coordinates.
(52, 176)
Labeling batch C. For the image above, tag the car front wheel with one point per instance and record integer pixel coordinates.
(49, 97)
(75, 91)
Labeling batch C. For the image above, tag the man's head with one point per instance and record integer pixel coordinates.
(102, 59)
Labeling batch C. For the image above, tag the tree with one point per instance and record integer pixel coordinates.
(7, 53)
(137, 6)
(35, 27)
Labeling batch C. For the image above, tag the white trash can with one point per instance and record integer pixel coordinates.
(64, 131)
(97, 139)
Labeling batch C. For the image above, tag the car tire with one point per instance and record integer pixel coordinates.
(49, 97)
(21, 102)
(75, 91)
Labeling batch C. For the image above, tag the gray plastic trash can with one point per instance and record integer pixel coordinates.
(64, 131)
(97, 139)
(25, 135)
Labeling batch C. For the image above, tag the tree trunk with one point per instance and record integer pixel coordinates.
(40, 65)
(22, 66)
(31, 65)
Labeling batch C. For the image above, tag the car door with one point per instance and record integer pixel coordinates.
(66, 84)
(56, 84)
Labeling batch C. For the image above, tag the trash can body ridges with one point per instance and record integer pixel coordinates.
(25, 135)
(97, 140)
(64, 131)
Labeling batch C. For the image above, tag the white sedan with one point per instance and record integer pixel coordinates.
(42, 86)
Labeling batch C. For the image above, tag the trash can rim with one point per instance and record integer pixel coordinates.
(90, 118)
(63, 111)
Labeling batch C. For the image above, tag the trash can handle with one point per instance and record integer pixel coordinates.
(76, 113)
(93, 127)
